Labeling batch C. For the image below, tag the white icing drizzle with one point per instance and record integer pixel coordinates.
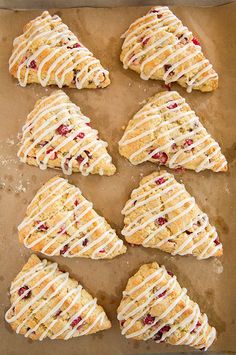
(162, 116)
(143, 195)
(151, 25)
(72, 297)
(152, 295)
(104, 244)
(54, 115)
(62, 52)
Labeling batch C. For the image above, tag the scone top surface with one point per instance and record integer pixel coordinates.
(154, 306)
(57, 135)
(159, 47)
(60, 221)
(49, 53)
(162, 214)
(168, 132)
(46, 302)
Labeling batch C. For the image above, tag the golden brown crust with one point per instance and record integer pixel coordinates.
(48, 53)
(158, 41)
(59, 136)
(60, 221)
(162, 214)
(154, 306)
(48, 303)
(166, 131)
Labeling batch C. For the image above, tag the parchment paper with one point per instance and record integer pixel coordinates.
(211, 283)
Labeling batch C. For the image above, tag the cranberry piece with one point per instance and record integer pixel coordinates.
(43, 143)
(160, 181)
(89, 155)
(196, 42)
(188, 232)
(217, 241)
(80, 159)
(159, 334)
(156, 12)
(170, 273)
(102, 251)
(42, 227)
(162, 294)
(148, 319)
(80, 135)
(161, 156)
(167, 67)
(24, 289)
(76, 202)
(122, 322)
(76, 45)
(134, 59)
(197, 325)
(165, 329)
(134, 203)
(173, 105)
(58, 313)
(53, 156)
(66, 164)
(174, 146)
(64, 249)
(179, 170)
(63, 130)
(32, 64)
(62, 230)
(88, 124)
(188, 142)
(85, 242)
(161, 221)
(145, 41)
(168, 86)
(75, 321)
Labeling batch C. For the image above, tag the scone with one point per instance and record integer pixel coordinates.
(158, 46)
(154, 306)
(167, 132)
(60, 221)
(48, 53)
(46, 302)
(57, 135)
(162, 214)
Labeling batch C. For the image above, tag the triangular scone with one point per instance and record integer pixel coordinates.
(57, 135)
(162, 214)
(60, 221)
(159, 47)
(46, 302)
(154, 306)
(48, 53)
(167, 132)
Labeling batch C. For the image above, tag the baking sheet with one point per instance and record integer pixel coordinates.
(210, 282)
